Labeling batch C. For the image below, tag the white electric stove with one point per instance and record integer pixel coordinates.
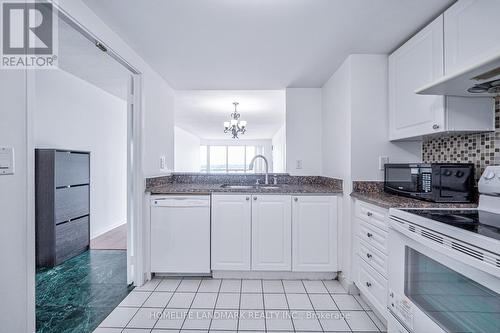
(444, 265)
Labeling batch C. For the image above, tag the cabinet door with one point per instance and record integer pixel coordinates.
(231, 231)
(471, 33)
(314, 234)
(415, 64)
(271, 233)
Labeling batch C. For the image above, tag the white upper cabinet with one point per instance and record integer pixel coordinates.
(471, 31)
(231, 232)
(271, 233)
(314, 230)
(416, 63)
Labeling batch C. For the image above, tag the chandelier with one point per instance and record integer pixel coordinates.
(235, 125)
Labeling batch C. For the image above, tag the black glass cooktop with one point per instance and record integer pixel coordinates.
(479, 222)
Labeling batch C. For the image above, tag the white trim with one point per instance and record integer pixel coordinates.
(108, 229)
(274, 275)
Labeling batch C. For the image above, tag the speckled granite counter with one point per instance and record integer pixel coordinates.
(207, 184)
(372, 192)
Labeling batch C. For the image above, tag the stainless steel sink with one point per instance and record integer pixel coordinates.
(251, 187)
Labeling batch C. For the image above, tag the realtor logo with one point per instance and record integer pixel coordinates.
(29, 37)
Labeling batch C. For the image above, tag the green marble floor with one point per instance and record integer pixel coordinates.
(78, 294)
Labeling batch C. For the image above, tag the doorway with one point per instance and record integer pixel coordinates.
(89, 105)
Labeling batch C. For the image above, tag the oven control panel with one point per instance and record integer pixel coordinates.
(402, 308)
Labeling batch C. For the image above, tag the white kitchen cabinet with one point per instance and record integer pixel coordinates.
(417, 63)
(231, 232)
(314, 230)
(470, 33)
(271, 233)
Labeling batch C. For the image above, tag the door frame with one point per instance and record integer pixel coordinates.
(135, 173)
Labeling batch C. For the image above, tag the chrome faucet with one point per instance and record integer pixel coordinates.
(267, 166)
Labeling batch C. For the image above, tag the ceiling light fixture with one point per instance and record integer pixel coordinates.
(235, 125)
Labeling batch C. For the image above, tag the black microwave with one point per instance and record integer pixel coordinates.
(436, 182)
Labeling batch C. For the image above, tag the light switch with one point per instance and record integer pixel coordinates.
(382, 161)
(6, 161)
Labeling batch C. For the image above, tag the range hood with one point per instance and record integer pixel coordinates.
(480, 80)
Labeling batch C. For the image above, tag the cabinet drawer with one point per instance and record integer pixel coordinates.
(374, 215)
(72, 238)
(71, 202)
(373, 236)
(374, 257)
(372, 285)
(72, 168)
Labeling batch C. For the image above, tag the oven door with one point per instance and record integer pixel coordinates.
(431, 291)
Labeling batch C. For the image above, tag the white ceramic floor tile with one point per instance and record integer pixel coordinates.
(136, 330)
(333, 321)
(209, 286)
(228, 301)
(230, 286)
(225, 320)
(315, 287)
(278, 320)
(252, 302)
(293, 286)
(181, 301)
(150, 285)
(190, 331)
(251, 320)
(189, 285)
(275, 302)
(198, 319)
(171, 319)
(158, 299)
(381, 326)
(107, 330)
(306, 321)
(145, 318)
(334, 287)
(323, 302)
(251, 286)
(361, 302)
(168, 285)
(272, 286)
(359, 321)
(119, 317)
(135, 299)
(346, 302)
(204, 301)
(299, 302)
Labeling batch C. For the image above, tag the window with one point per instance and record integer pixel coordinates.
(229, 159)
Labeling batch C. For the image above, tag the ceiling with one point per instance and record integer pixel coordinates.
(203, 112)
(260, 44)
(78, 56)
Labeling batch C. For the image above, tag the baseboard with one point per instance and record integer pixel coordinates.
(348, 284)
(274, 275)
(100, 233)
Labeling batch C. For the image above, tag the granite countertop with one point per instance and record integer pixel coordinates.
(207, 184)
(372, 192)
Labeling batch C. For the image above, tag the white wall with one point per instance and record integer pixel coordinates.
(279, 150)
(76, 115)
(303, 128)
(17, 281)
(355, 134)
(187, 151)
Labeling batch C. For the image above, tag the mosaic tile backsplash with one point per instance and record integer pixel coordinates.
(482, 149)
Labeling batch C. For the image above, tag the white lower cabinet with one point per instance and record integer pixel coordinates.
(314, 230)
(231, 232)
(274, 233)
(271, 233)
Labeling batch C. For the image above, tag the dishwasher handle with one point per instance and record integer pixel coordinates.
(181, 202)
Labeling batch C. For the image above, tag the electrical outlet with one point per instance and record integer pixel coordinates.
(299, 164)
(6, 161)
(163, 162)
(382, 160)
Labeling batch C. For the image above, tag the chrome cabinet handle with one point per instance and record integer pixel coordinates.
(368, 255)
(435, 126)
(369, 235)
(369, 213)
(254, 198)
(248, 198)
(368, 284)
(295, 199)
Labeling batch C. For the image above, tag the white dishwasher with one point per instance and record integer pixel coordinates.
(180, 234)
